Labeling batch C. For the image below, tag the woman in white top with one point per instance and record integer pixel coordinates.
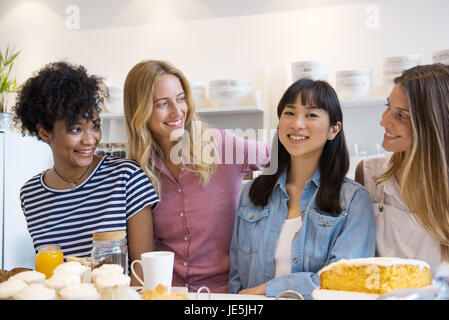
(409, 187)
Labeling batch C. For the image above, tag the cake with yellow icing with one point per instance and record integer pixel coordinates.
(375, 275)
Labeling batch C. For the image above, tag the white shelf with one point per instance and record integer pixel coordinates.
(112, 116)
(202, 111)
(229, 110)
(363, 102)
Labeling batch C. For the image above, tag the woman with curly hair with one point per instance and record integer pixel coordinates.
(410, 186)
(83, 193)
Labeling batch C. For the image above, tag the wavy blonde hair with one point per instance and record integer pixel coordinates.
(138, 103)
(424, 168)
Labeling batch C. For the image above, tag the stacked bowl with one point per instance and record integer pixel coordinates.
(198, 93)
(353, 83)
(394, 66)
(230, 92)
(441, 56)
(310, 69)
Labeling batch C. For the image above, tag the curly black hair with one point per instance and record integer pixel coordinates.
(59, 91)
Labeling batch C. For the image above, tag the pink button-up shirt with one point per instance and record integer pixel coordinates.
(197, 223)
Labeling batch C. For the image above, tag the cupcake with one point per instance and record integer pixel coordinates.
(60, 281)
(10, 287)
(107, 269)
(30, 277)
(35, 291)
(83, 291)
(112, 286)
(74, 267)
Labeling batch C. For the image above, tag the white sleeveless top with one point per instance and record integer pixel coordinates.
(398, 233)
(283, 252)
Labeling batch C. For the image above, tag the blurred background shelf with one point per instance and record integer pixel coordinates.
(229, 110)
(363, 102)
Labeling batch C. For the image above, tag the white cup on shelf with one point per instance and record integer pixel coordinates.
(157, 267)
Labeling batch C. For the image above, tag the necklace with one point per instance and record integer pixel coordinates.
(73, 184)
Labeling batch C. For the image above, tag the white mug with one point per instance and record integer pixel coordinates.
(157, 267)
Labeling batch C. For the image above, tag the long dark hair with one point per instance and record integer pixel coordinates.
(334, 161)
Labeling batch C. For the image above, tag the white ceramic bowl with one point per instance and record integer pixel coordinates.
(393, 71)
(314, 75)
(400, 61)
(441, 55)
(352, 73)
(354, 87)
(230, 83)
(198, 93)
(198, 86)
(313, 64)
(199, 98)
(229, 97)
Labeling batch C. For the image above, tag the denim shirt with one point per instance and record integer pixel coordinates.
(321, 240)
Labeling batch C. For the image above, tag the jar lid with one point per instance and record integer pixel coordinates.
(110, 235)
(49, 248)
(118, 144)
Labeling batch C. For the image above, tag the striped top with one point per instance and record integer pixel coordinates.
(115, 191)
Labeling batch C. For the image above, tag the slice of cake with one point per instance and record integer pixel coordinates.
(375, 275)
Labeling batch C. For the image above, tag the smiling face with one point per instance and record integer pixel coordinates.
(169, 109)
(73, 146)
(397, 122)
(305, 129)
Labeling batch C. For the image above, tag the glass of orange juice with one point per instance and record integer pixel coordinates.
(48, 258)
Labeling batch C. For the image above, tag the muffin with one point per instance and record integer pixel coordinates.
(35, 291)
(10, 287)
(76, 268)
(60, 281)
(112, 286)
(107, 269)
(30, 277)
(83, 291)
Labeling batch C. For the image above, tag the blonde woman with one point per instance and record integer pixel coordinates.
(409, 188)
(199, 187)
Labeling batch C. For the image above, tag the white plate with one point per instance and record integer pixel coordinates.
(226, 296)
(321, 294)
(133, 295)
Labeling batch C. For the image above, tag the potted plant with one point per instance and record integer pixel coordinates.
(7, 85)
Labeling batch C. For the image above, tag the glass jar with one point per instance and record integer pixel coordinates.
(101, 149)
(118, 150)
(107, 149)
(48, 257)
(110, 248)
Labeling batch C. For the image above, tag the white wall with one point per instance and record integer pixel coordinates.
(212, 39)
(216, 39)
